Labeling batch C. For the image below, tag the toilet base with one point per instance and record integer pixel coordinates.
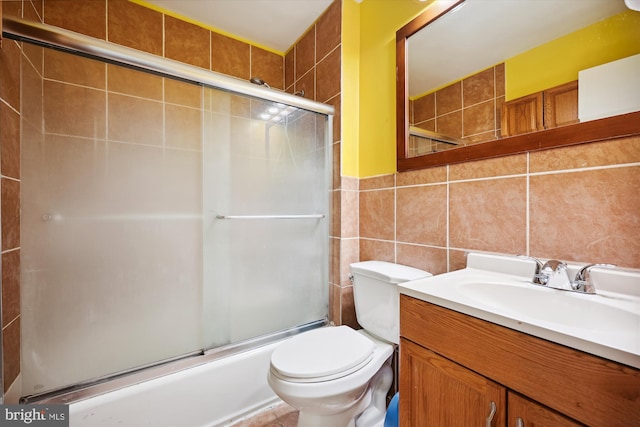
(368, 411)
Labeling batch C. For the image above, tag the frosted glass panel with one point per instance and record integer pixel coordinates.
(111, 228)
(263, 275)
(123, 261)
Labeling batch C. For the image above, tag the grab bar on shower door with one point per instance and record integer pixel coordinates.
(310, 216)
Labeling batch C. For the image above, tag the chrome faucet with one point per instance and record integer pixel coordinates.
(555, 274)
(583, 281)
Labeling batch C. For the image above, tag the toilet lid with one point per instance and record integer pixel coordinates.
(322, 352)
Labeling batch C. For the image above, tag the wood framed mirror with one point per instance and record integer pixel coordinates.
(555, 131)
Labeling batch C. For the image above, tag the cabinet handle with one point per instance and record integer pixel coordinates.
(492, 405)
(519, 422)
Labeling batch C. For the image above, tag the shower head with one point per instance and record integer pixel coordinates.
(259, 81)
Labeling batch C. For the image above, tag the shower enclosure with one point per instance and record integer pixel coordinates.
(167, 211)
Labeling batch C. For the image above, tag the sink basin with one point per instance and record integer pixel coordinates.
(606, 324)
(554, 307)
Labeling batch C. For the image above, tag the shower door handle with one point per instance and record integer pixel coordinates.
(310, 216)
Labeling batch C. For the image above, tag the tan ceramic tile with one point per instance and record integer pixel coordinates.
(337, 117)
(10, 73)
(88, 17)
(449, 99)
(74, 69)
(186, 42)
(10, 216)
(424, 108)
(349, 207)
(289, 69)
(499, 166)
(182, 93)
(132, 82)
(432, 260)
(9, 142)
(422, 176)
(230, 56)
(147, 116)
(32, 95)
(336, 209)
(334, 260)
(183, 127)
(422, 215)
(347, 308)
(482, 137)
(305, 49)
(10, 353)
(307, 83)
(329, 29)
(377, 182)
(617, 151)
(135, 26)
(594, 218)
(500, 81)
(450, 124)
(12, 8)
(334, 303)
(10, 286)
(488, 215)
(268, 66)
(479, 118)
(328, 76)
(348, 183)
(377, 250)
(33, 11)
(478, 88)
(457, 260)
(78, 102)
(349, 253)
(35, 55)
(377, 214)
(336, 166)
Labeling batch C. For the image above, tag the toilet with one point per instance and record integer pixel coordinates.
(337, 376)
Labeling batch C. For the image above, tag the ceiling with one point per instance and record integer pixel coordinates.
(272, 24)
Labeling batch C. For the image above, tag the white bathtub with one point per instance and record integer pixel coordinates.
(217, 393)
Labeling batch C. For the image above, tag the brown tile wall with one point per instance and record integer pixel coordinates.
(469, 108)
(577, 203)
(131, 25)
(313, 64)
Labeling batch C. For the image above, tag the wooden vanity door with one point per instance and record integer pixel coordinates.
(435, 391)
(527, 413)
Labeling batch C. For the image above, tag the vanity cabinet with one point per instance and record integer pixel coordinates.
(452, 366)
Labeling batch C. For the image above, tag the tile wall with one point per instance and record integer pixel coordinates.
(469, 108)
(577, 203)
(118, 21)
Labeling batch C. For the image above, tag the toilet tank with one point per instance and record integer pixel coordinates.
(376, 296)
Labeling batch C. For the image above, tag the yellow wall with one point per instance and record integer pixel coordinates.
(372, 152)
(559, 61)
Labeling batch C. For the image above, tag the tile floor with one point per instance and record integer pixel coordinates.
(281, 415)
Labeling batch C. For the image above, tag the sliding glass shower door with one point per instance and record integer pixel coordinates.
(161, 218)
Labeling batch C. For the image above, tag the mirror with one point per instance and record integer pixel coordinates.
(468, 71)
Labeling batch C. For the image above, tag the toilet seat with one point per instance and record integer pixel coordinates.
(322, 355)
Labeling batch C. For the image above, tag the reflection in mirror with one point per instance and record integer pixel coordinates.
(486, 70)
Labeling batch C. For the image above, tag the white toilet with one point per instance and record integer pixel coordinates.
(339, 377)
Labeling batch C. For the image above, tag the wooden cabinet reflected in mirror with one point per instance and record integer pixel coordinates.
(467, 81)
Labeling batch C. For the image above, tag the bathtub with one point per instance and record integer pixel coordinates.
(217, 393)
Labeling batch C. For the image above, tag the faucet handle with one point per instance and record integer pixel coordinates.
(583, 282)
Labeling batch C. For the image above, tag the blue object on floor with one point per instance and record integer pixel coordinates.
(391, 420)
